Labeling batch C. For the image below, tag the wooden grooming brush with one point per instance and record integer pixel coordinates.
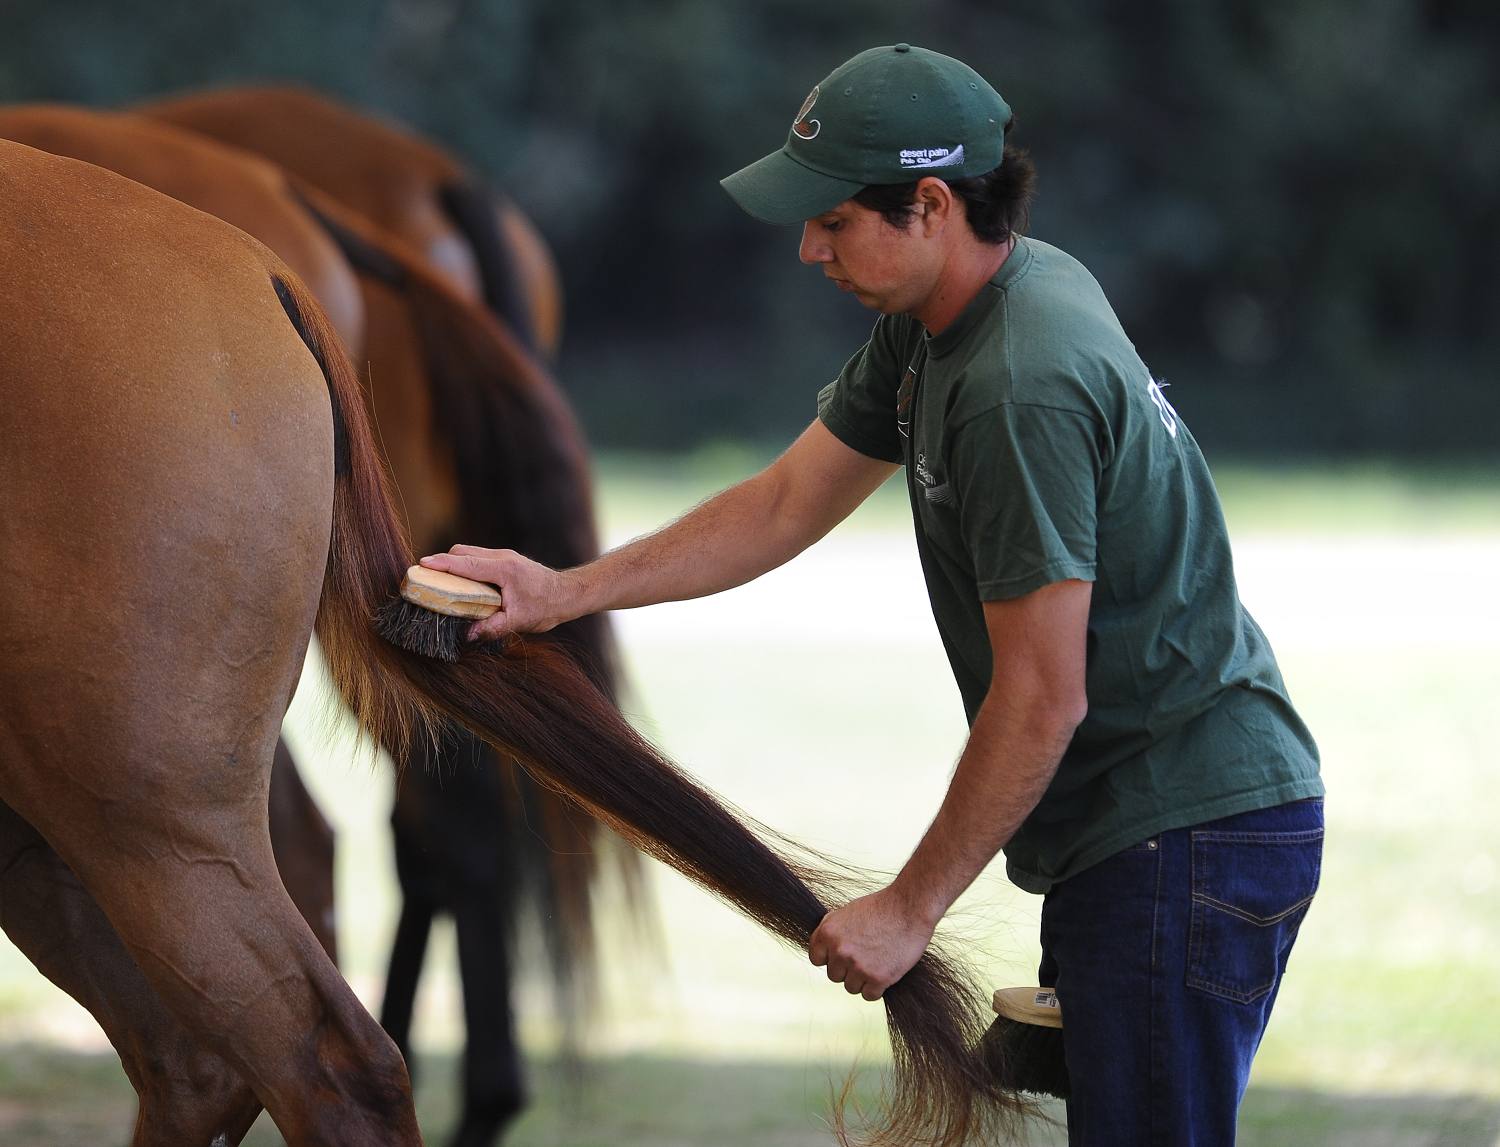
(1024, 1046)
(434, 612)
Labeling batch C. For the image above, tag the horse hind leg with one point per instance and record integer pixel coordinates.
(206, 916)
(187, 1095)
(179, 859)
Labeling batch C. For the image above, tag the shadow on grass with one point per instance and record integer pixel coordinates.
(49, 1098)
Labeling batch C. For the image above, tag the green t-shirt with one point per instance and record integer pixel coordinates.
(1038, 448)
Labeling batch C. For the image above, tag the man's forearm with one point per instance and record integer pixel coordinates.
(730, 539)
(1036, 699)
(738, 534)
(733, 537)
(1012, 754)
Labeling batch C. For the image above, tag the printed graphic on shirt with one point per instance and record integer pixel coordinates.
(1163, 407)
(924, 475)
(934, 489)
(903, 401)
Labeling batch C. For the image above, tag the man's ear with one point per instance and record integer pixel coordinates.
(935, 203)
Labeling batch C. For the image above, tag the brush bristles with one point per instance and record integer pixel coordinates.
(421, 631)
(1026, 1057)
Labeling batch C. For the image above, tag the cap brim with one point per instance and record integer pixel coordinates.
(778, 189)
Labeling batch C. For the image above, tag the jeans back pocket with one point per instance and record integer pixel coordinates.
(1251, 890)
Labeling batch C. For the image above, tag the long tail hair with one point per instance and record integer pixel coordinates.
(523, 482)
(534, 702)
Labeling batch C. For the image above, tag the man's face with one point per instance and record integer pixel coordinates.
(886, 268)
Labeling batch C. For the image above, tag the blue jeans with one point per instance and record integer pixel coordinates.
(1166, 959)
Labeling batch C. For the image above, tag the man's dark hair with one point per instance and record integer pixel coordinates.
(997, 203)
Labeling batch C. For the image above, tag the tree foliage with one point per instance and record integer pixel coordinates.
(1292, 203)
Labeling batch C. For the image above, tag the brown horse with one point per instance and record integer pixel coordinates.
(301, 836)
(478, 241)
(189, 483)
(481, 445)
(167, 439)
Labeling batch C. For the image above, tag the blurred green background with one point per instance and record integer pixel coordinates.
(1291, 203)
(1293, 206)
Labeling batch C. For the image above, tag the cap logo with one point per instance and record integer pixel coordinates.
(804, 127)
(932, 156)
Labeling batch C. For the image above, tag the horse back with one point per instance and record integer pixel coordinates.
(233, 185)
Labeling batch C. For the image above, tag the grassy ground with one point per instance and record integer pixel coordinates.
(819, 700)
(55, 1098)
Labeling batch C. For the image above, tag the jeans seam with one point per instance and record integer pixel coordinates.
(1225, 992)
(1243, 995)
(1301, 836)
(1251, 917)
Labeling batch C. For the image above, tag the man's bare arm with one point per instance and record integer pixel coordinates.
(1035, 702)
(730, 539)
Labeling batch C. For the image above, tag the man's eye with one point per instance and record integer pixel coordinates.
(833, 225)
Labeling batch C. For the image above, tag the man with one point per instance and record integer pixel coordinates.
(1132, 748)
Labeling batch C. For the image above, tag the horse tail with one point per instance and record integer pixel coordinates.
(523, 482)
(520, 455)
(533, 701)
(474, 209)
(366, 539)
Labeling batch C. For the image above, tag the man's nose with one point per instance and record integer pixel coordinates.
(813, 248)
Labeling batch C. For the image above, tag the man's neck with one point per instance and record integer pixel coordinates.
(973, 265)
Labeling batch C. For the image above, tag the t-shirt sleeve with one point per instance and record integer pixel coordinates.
(859, 407)
(1026, 480)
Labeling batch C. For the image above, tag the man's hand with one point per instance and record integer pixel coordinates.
(535, 598)
(870, 943)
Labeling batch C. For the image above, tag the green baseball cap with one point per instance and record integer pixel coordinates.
(890, 115)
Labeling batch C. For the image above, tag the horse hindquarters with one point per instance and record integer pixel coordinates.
(165, 434)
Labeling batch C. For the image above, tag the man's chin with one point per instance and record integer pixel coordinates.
(866, 300)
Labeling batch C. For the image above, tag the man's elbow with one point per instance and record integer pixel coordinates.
(1055, 713)
(1064, 710)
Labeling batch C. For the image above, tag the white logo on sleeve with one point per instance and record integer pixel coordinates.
(1163, 407)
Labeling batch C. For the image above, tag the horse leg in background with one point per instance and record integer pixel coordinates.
(487, 864)
(187, 1095)
(494, 1087)
(421, 895)
(408, 951)
(453, 830)
(302, 841)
